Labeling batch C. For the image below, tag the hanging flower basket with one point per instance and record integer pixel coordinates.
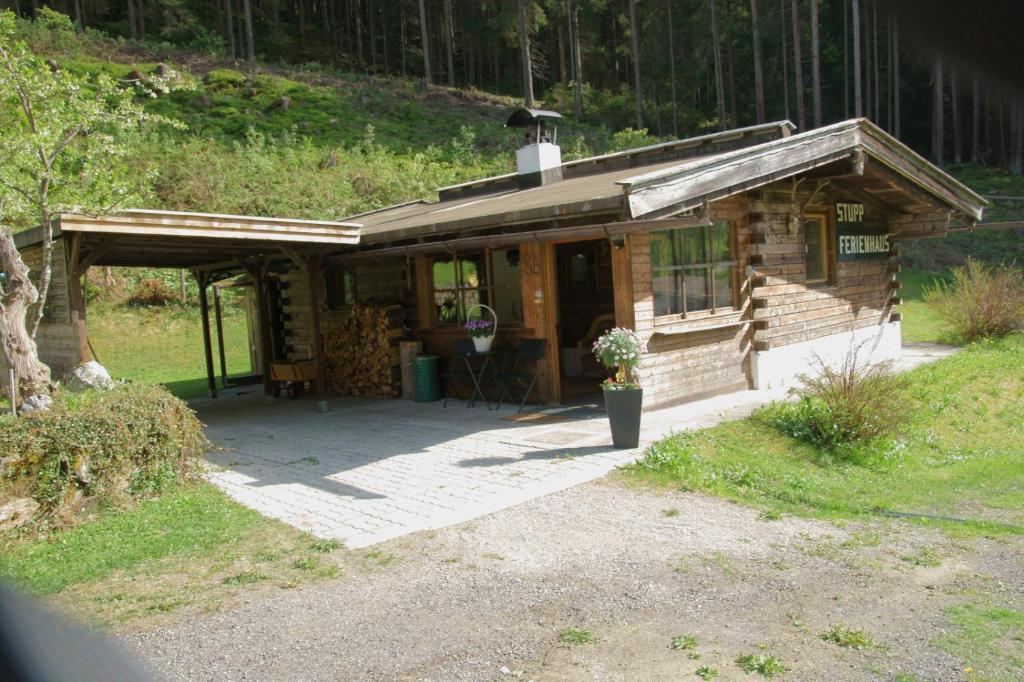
(482, 331)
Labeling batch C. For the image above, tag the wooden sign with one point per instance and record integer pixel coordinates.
(854, 239)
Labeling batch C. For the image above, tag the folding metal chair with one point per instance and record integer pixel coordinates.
(458, 369)
(524, 371)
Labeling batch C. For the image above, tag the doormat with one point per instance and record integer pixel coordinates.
(571, 414)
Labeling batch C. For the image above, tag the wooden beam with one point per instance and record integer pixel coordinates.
(204, 315)
(622, 283)
(218, 316)
(299, 262)
(314, 269)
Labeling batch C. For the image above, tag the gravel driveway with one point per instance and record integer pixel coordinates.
(487, 599)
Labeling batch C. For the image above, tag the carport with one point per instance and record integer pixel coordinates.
(212, 247)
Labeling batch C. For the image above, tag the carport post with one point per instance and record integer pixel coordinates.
(314, 267)
(202, 279)
(219, 317)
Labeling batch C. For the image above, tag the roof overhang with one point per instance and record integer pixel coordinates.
(689, 185)
(180, 239)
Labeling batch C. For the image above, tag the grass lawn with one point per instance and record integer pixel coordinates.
(961, 453)
(190, 548)
(920, 322)
(165, 345)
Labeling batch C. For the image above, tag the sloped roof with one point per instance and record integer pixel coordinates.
(654, 182)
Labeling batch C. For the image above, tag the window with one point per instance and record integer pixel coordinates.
(693, 269)
(817, 249)
(341, 287)
(490, 278)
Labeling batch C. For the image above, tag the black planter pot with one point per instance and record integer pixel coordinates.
(623, 407)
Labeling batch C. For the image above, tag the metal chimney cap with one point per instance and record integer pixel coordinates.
(523, 117)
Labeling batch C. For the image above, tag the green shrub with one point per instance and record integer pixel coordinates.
(841, 406)
(151, 292)
(981, 302)
(134, 439)
(224, 79)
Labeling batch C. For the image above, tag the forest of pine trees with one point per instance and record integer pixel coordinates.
(674, 67)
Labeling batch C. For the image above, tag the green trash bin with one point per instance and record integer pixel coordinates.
(426, 385)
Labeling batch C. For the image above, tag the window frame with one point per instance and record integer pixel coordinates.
(709, 267)
(828, 238)
(489, 287)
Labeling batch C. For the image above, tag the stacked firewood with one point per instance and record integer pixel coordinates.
(362, 354)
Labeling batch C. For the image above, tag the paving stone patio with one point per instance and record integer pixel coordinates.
(370, 470)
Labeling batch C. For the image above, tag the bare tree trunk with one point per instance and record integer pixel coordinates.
(858, 107)
(719, 85)
(142, 19)
(563, 66)
(954, 96)
(577, 60)
(672, 69)
(357, 15)
(896, 75)
(524, 54)
(937, 111)
(730, 71)
(889, 93)
(635, 41)
(1017, 136)
(868, 102)
(815, 64)
(250, 45)
(18, 350)
(874, 48)
(846, 59)
(230, 22)
(402, 36)
(132, 26)
(449, 40)
(758, 66)
(425, 40)
(798, 69)
(975, 120)
(785, 57)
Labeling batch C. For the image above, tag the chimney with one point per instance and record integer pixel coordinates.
(539, 160)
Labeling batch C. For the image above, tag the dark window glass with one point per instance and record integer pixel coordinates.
(816, 255)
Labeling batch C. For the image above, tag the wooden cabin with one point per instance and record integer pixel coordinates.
(739, 257)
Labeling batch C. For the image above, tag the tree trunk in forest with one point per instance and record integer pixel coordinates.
(563, 66)
(758, 66)
(1017, 136)
(785, 57)
(425, 40)
(730, 71)
(975, 120)
(577, 60)
(634, 39)
(229, 21)
(874, 59)
(896, 75)
(132, 26)
(401, 35)
(866, 23)
(18, 350)
(858, 102)
(719, 85)
(524, 54)
(815, 64)
(937, 111)
(141, 10)
(954, 97)
(250, 45)
(846, 59)
(798, 69)
(357, 16)
(449, 41)
(672, 69)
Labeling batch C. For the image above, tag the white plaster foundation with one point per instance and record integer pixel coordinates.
(781, 367)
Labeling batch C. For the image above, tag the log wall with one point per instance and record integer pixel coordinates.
(704, 354)
(787, 309)
(58, 338)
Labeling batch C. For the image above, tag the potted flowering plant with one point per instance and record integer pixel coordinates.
(620, 350)
(482, 333)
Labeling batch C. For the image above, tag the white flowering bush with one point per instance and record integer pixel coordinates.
(620, 350)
